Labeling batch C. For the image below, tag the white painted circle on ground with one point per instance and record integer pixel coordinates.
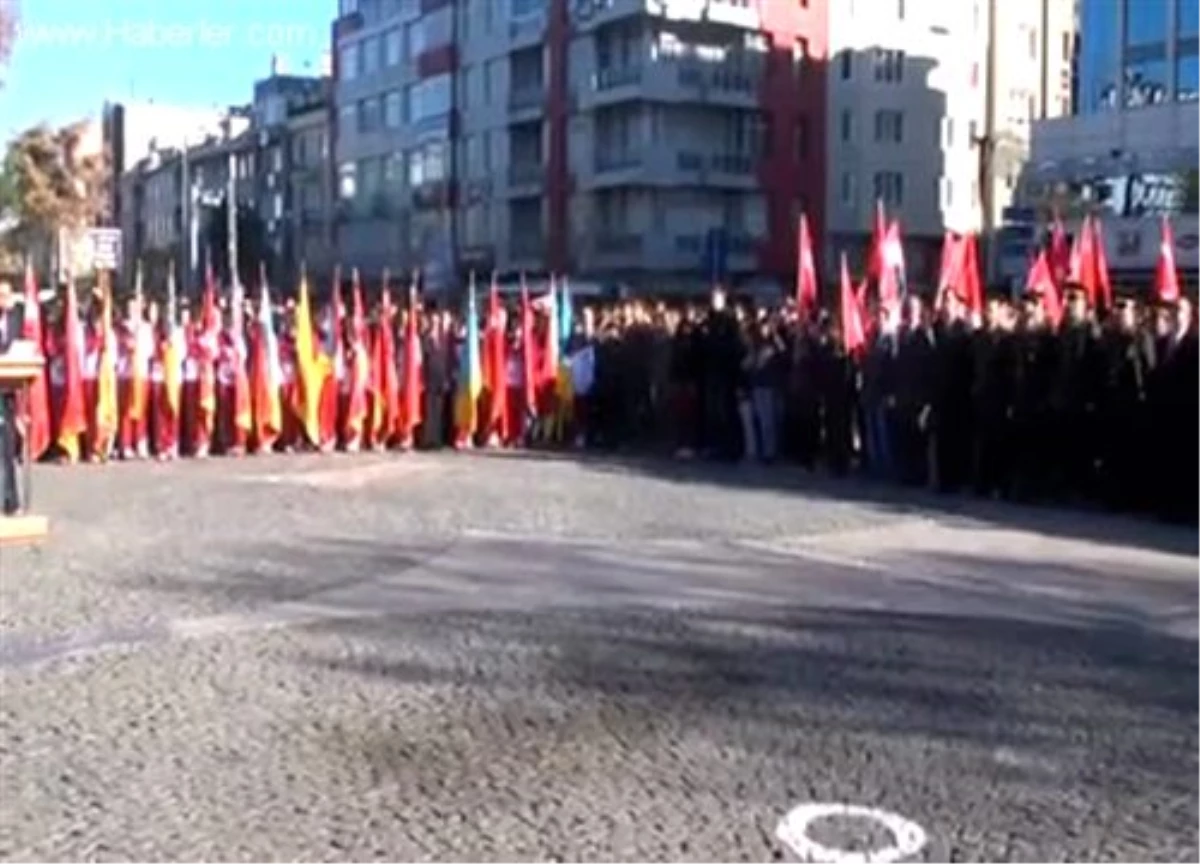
(908, 838)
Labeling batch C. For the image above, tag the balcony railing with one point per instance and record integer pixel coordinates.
(526, 97)
(524, 173)
(617, 161)
(619, 244)
(731, 163)
(722, 163)
(614, 76)
(732, 79)
(524, 245)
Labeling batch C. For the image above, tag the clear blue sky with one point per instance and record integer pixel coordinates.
(72, 55)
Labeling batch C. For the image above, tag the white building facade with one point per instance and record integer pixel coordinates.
(907, 103)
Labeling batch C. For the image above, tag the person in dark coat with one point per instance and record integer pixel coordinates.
(723, 373)
(993, 398)
(1036, 349)
(953, 398)
(435, 366)
(1175, 390)
(879, 397)
(10, 331)
(916, 388)
(1128, 358)
(1075, 400)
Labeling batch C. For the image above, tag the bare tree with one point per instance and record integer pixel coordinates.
(9, 15)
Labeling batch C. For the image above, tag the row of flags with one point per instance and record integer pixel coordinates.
(382, 394)
(1082, 262)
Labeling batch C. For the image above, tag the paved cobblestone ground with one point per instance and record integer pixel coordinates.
(498, 658)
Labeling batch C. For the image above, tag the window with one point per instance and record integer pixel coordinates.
(1187, 68)
(945, 193)
(847, 126)
(370, 176)
(1146, 21)
(370, 55)
(393, 171)
(427, 164)
(948, 132)
(347, 7)
(348, 61)
(900, 9)
(526, 8)
(889, 126)
(348, 119)
(1189, 21)
(889, 65)
(1066, 46)
(430, 98)
(393, 110)
(489, 75)
(347, 181)
(847, 187)
(1033, 43)
(802, 138)
(889, 187)
(370, 115)
(466, 83)
(476, 224)
(394, 46)
(432, 30)
(847, 63)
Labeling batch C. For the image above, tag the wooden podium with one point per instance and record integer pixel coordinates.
(19, 366)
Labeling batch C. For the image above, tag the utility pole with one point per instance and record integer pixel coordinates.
(185, 203)
(231, 226)
(986, 145)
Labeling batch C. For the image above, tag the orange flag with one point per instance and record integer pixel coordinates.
(385, 386)
(36, 401)
(310, 369)
(411, 414)
(106, 376)
(359, 373)
(495, 363)
(209, 340)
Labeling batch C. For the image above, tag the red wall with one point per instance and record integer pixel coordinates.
(785, 97)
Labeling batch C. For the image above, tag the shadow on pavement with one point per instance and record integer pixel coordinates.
(1079, 523)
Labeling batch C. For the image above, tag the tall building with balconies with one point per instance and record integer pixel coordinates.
(624, 139)
(395, 69)
(907, 101)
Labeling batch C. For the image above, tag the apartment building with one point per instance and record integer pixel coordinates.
(169, 200)
(1131, 151)
(632, 140)
(1031, 63)
(277, 146)
(310, 191)
(907, 104)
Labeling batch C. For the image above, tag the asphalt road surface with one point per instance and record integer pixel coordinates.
(511, 657)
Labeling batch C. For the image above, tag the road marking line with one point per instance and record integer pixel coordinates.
(908, 838)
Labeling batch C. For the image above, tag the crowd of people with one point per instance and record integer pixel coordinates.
(1000, 400)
